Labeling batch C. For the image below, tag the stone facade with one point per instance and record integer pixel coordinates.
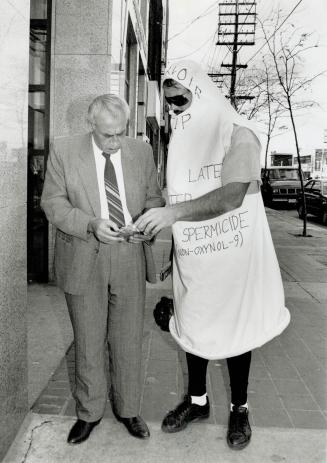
(101, 46)
(14, 47)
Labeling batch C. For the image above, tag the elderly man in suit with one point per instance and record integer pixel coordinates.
(97, 183)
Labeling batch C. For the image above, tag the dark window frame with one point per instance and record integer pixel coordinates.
(37, 265)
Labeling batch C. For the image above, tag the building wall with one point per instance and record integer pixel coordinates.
(14, 50)
(81, 61)
(320, 162)
(90, 40)
(89, 44)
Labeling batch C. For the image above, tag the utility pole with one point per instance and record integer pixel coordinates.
(236, 28)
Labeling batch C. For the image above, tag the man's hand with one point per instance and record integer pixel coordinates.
(105, 231)
(140, 238)
(156, 219)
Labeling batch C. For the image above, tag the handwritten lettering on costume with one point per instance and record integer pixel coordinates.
(184, 76)
(181, 121)
(179, 198)
(221, 235)
(210, 248)
(231, 223)
(207, 172)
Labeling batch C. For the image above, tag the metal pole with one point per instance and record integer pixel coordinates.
(234, 60)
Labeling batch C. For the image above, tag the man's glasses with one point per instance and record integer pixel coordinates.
(177, 100)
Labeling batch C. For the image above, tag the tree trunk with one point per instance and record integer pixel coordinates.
(304, 232)
(266, 153)
(269, 123)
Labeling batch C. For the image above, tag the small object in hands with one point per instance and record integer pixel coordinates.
(165, 271)
(131, 230)
(163, 312)
(128, 230)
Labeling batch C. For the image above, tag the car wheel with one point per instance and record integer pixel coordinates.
(324, 218)
(300, 211)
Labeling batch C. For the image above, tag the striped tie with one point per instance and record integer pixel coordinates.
(112, 191)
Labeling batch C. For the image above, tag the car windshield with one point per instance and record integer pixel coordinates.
(284, 174)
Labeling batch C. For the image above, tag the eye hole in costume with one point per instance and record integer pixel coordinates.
(178, 100)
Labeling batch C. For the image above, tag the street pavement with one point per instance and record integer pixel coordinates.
(287, 387)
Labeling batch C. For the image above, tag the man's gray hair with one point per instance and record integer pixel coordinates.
(113, 104)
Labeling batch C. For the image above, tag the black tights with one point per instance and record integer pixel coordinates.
(238, 368)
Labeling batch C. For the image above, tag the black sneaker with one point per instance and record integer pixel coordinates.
(239, 430)
(178, 419)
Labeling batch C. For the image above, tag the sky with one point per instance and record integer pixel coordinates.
(195, 38)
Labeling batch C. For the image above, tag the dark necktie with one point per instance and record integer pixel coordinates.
(112, 191)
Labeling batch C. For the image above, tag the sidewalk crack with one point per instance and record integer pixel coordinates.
(24, 460)
(310, 294)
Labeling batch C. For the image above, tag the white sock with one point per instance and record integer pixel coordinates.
(199, 399)
(245, 405)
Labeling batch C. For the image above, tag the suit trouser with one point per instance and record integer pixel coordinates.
(110, 315)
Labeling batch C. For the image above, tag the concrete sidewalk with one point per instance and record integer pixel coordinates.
(43, 439)
(287, 388)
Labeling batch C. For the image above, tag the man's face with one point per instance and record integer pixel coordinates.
(179, 98)
(108, 132)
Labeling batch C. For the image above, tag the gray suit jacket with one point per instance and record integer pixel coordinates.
(70, 199)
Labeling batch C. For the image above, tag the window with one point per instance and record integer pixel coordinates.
(308, 186)
(316, 188)
(38, 138)
(284, 174)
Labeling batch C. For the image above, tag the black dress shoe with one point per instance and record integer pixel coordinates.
(239, 430)
(81, 431)
(135, 426)
(177, 420)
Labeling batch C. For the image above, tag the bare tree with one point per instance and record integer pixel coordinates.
(261, 83)
(278, 84)
(287, 50)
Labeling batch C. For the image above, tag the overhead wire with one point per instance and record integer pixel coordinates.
(200, 16)
(210, 50)
(212, 55)
(229, 50)
(217, 51)
(271, 36)
(214, 58)
(275, 31)
(241, 46)
(197, 49)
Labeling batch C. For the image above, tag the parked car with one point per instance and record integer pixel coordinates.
(315, 192)
(280, 185)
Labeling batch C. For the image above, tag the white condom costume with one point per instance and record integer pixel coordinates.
(228, 292)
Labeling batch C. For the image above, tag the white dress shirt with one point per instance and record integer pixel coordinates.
(100, 163)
